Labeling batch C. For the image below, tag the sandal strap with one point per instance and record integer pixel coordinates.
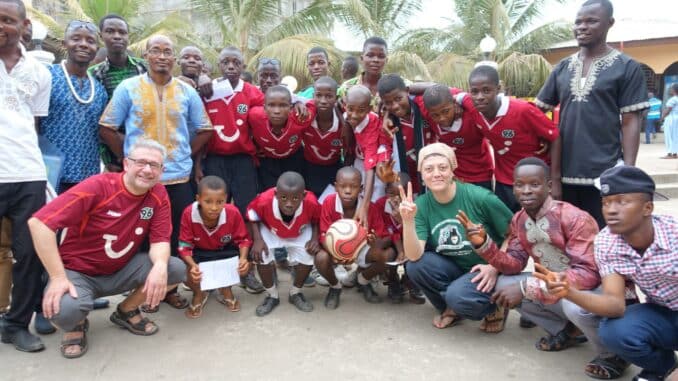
(129, 314)
(78, 341)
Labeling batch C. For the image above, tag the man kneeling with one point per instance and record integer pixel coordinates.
(102, 222)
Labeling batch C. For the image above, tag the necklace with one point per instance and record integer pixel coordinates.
(70, 86)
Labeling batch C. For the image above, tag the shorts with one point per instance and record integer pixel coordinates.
(379, 190)
(361, 259)
(296, 247)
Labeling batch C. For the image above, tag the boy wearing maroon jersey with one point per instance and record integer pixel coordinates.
(323, 138)
(285, 216)
(460, 133)
(516, 129)
(212, 230)
(277, 132)
(103, 222)
(372, 260)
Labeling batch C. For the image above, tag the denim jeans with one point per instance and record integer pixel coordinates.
(650, 129)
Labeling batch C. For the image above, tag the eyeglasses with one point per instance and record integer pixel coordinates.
(141, 163)
(76, 24)
(155, 52)
(266, 61)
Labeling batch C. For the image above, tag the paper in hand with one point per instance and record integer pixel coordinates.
(217, 274)
(221, 89)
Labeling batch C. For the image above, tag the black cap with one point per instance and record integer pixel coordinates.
(627, 179)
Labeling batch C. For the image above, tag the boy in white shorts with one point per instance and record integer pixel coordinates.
(285, 216)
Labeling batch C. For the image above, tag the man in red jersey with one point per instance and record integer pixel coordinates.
(103, 222)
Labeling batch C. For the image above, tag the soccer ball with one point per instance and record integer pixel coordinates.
(345, 238)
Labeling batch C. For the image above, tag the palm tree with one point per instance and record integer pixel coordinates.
(376, 17)
(512, 24)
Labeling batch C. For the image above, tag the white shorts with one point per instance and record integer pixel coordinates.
(379, 187)
(295, 247)
(361, 259)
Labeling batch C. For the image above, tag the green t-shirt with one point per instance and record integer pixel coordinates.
(437, 223)
(307, 92)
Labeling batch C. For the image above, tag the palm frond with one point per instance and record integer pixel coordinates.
(356, 15)
(314, 19)
(542, 37)
(96, 9)
(54, 28)
(408, 65)
(524, 74)
(451, 69)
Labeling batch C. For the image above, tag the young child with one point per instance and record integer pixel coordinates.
(515, 128)
(285, 216)
(323, 138)
(211, 230)
(373, 59)
(277, 132)
(460, 133)
(406, 114)
(371, 262)
(390, 214)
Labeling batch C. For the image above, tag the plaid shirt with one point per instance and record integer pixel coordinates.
(111, 76)
(655, 272)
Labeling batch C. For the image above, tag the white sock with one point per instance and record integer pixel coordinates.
(273, 292)
(362, 280)
(294, 290)
(336, 286)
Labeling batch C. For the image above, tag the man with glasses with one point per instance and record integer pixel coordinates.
(163, 108)
(104, 221)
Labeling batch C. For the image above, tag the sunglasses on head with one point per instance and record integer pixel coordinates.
(266, 61)
(76, 24)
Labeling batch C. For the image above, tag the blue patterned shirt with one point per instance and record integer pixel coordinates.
(172, 121)
(73, 126)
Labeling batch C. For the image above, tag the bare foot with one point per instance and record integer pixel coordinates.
(445, 320)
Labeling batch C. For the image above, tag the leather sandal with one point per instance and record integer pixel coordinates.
(79, 341)
(122, 319)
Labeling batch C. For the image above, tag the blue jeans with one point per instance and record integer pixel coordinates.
(446, 285)
(646, 336)
(649, 129)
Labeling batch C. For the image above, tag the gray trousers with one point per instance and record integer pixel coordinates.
(554, 317)
(133, 275)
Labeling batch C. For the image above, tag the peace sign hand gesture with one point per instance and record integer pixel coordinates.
(407, 208)
(474, 232)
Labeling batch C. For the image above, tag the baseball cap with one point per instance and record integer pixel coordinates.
(627, 179)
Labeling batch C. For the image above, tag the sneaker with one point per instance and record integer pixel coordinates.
(395, 292)
(332, 298)
(369, 294)
(100, 303)
(267, 306)
(251, 284)
(301, 303)
(350, 279)
(20, 337)
(319, 279)
(416, 296)
(42, 325)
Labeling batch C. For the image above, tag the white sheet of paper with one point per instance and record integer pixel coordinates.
(221, 273)
(221, 89)
(395, 263)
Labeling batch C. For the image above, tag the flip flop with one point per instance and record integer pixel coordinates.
(233, 305)
(497, 317)
(453, 320)
(195, 311)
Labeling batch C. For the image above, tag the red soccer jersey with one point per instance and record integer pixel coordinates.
(104, 224)
(515, 134)
(470, 146)
(393, 227)
(323, 148)
(367, 140)
(289, 142)
(332, 210)
(264, 208)
(230, 119)
(230, 231)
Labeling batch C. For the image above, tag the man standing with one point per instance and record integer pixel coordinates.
(593, 87)
(117, 67)
(652, 117)
(104, 221)
(24, 94)
(157, 106)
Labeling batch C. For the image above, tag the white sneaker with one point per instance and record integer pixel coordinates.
(350, 279)
(319, 279)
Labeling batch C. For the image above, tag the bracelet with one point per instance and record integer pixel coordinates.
(522, 287)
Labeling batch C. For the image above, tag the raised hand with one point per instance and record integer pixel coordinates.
(387, 126)
(474, 232)
(407, 208)
(556, 283)
(385, 172)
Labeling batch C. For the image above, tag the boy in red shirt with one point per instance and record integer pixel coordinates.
(460, 133)
(515, 128)
(277, 131)
(284, 217)
(211, 230)
(372, 260)
(323, 138)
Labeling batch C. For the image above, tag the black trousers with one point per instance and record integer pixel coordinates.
(505, 194)
(18, 202)
(587, 198)
(318, 177)
(239, 174)
(181, 196)
(271, 169)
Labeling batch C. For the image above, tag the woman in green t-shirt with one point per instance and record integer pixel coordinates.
(442, 262)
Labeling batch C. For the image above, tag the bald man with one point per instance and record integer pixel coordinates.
(157, 106)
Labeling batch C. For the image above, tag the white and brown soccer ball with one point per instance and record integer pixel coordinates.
(345, 238)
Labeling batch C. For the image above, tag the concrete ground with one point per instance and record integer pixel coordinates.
(358, 341)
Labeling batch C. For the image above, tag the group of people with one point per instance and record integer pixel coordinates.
(462, 186)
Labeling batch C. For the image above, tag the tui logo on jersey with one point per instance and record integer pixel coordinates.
(242, 109)
(458, 141)
(226, 239)
(336, 143)
(146, 213)
(293, 139)
(508, 134)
